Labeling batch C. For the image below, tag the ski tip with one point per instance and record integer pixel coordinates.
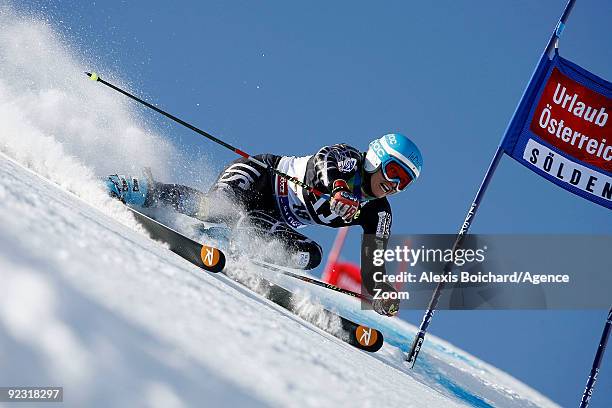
(212, 258)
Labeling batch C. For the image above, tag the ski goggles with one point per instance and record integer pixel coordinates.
(395, 172)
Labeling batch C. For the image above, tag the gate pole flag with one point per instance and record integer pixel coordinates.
(513, 141)
(563, 132)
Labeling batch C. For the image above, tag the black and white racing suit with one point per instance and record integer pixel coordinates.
(278, 208)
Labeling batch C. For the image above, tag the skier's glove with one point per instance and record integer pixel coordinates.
(343, 203)
(385, 300)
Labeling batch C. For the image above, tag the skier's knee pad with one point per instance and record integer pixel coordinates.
(309, 254)
(300, 251)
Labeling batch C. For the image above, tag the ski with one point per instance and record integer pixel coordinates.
(213, 260)
(362, 337)
(206, 257)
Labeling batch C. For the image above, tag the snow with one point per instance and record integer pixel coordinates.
(86, 299)
(90, 303)
(116, 318)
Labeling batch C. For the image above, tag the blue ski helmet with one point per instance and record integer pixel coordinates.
(394, 148)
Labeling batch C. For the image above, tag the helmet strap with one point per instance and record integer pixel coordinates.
(366, 185)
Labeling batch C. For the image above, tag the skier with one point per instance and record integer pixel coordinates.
(358, 184)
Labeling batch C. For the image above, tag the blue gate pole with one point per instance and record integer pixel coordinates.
(588, 390)
(427, 317)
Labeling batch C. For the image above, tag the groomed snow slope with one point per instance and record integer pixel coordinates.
(97, 307)
(89, 302)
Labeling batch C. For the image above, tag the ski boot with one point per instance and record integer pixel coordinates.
(130, 190)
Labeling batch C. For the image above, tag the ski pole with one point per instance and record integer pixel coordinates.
(313, 281)
(94, 77)
(588, 390)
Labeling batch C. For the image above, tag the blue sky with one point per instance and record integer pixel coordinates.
(288, 77)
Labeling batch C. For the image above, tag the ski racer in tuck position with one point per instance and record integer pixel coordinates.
(358, 184)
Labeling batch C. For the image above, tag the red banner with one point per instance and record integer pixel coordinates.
(575, 119)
